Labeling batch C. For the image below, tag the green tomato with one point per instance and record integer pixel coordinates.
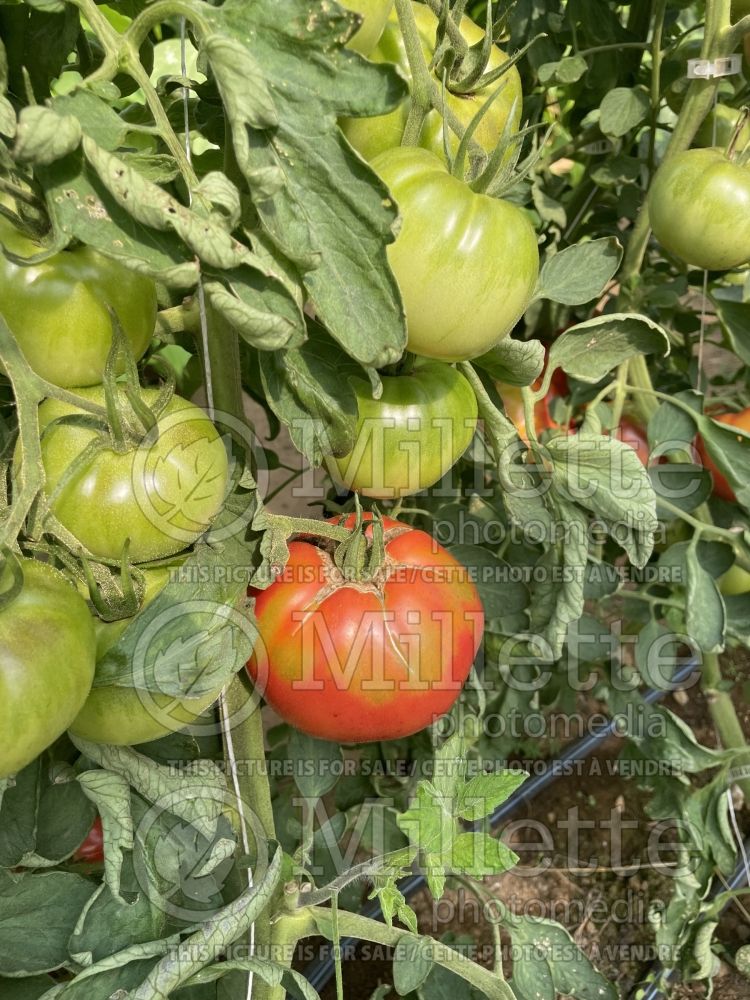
(409, 438)
(699, 206)
(47, 657)
(125, 716)
(735, 581)
(372, 136)
(466, 264)
(57, 310)
(724, 119)
(162, 494)
(375, 14)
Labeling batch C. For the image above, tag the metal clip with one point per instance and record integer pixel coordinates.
(707, 69)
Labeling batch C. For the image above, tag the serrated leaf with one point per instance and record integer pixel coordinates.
(262, 312)
(590, 350)
(81, 208)
(514, 362)
(331, 214)
(478, 854)
(481, 795)
(152, 206)
(198, 801)
(606, 476)
(110, 793)
(580, 273)
(559, 575)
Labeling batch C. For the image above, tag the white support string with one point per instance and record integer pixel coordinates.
(223, 706)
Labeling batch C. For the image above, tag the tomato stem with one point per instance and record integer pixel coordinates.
(723, 712)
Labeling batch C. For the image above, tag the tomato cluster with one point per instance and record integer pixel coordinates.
(139, 479)
(466, 263)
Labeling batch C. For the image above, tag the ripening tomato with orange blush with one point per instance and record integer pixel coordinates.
(379, 658)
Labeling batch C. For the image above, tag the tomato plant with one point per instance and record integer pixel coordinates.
(699, 209)
(372, 659)
(409, 438)
(466, 263)
(47, 648)
(372, 136)
(350, 313)
(375, 14)
(58, 309)
(159, 495)
(125, 716)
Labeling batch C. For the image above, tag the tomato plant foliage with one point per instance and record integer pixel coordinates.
(431, 275)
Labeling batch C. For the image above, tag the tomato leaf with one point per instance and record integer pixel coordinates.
(412, 964)
(559, 575)
(705, 615)
(735, 322)
(314, 764)
(110, 794)
(331, 214)
(309, 392)
(553, 964)
(481, 795)
(580, 273)
(606, 477)
(28, 945)
(500, 593)
(590, 350)
(513, 362)
(622, 110)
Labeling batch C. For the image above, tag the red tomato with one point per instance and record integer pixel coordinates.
(631, 434)
(355, 662)
(722, 488)
(92, 849)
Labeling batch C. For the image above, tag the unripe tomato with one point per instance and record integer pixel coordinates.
(162, 495)
(409, 438)
(724, 119)
(372, 136)
(735, 581)
(92, 848)
(355, 662)
(47, 656)
(722, 487)
(124, 716)
(466, 264)
(699, 205)
(57, 310)
(375, 14)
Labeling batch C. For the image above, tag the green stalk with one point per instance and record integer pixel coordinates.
(723, 712)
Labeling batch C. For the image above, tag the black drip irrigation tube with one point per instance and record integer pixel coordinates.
(321, 971)
(737, 880)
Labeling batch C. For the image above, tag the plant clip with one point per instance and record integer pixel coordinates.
(710, 69)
